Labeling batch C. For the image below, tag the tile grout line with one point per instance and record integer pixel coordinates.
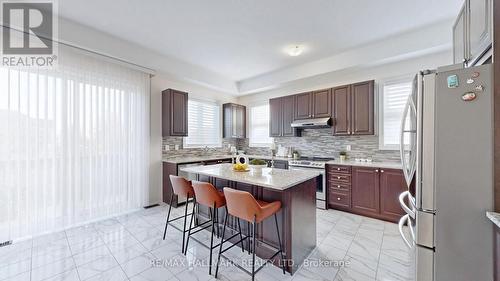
(72, 256)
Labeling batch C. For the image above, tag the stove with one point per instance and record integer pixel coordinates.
(310, 162)
(318, 164)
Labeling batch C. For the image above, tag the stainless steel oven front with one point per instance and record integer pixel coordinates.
(320, 188)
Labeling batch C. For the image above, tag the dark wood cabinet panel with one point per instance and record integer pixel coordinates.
(275, 118)
(339, 199)
(365, 190)
(303, 106)
(362, 100)
(234, 120)
(392, 184)
(281, 116)
(174, 113)
(341, 110)
(496, 254)
(322, 104)
(287, 104)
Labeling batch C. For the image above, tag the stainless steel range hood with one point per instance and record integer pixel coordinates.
(312, 123)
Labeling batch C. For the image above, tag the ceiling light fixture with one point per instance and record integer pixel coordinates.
(295, 50)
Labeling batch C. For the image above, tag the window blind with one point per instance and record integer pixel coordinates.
(203, 124)
(259, 125)
(394, 97)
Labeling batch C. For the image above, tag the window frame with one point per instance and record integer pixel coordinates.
(219, 143)
(381, 96)
(249, 118)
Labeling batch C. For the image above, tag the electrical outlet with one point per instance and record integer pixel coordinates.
(176, 147)
(348, 147)
(166, 147)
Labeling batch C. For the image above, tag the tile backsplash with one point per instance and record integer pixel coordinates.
(314, 142)
(320, 142)
(173, 141)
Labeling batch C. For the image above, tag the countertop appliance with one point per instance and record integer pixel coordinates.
(447, 151)
(316, 163)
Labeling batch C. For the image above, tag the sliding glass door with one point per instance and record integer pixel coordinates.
(74, 144)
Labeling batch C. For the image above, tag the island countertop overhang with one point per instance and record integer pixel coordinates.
(280, 180)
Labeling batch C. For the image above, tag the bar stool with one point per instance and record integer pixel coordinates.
(243, 205)
(181, 187)
(207, 195)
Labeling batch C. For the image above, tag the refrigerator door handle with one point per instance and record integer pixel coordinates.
(401, 140)
(405, 207)
(404, 219)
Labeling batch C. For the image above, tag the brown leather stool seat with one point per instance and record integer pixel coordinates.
(243, 205)
(182, 188)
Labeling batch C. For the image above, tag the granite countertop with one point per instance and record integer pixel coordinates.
(374, 164)
(194, 159)
(280, 180)
(494, 217)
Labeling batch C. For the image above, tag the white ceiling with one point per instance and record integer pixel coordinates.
(244, 39)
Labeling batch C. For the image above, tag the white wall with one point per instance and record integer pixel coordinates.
(347, 76)
(159, 83)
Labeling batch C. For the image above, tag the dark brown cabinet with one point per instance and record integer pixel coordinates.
(174, 113)
(365, 190)
(281, 117)
(353, 109)
(315, 104)
(362, 101)
(234, 120)
(392, 184)
(341, 110)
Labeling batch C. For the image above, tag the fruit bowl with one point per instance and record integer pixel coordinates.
(238, 167)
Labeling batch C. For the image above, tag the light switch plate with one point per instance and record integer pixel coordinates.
(348, 147)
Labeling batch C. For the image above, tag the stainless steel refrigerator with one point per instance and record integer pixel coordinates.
(447, 156)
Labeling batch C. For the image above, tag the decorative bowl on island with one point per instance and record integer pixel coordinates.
(256, 165)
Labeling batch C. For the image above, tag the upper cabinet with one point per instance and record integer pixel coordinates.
(234, 120)
(362, 104)
(174, 113)
(472, 32)
(281, 116)
(353, 109)
(315, 104)
(303, 106)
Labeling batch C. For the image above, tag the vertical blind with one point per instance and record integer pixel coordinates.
(394, 97)
(74, 144)
(259, 125)
(203, 124)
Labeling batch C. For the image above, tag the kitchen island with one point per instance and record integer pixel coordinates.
(297, 219)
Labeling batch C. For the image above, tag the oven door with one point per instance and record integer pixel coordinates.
(320, 187)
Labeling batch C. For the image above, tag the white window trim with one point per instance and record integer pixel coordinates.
(249, 124)
(217, 145)
(381, 83)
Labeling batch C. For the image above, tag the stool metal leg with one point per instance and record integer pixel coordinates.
(190, 227)
(168, 215)
(212, 241)
(241, 235)
(221, 242)
(184, 228)
(253, 246)
(279, 242)
(248, 239)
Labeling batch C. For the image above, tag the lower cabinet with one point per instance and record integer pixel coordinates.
(367, 191)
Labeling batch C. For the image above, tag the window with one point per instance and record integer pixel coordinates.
(74, 144)
(393, 98)
(204, 124)
(259, 126)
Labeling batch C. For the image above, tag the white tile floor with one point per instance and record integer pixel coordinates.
(123, 248)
